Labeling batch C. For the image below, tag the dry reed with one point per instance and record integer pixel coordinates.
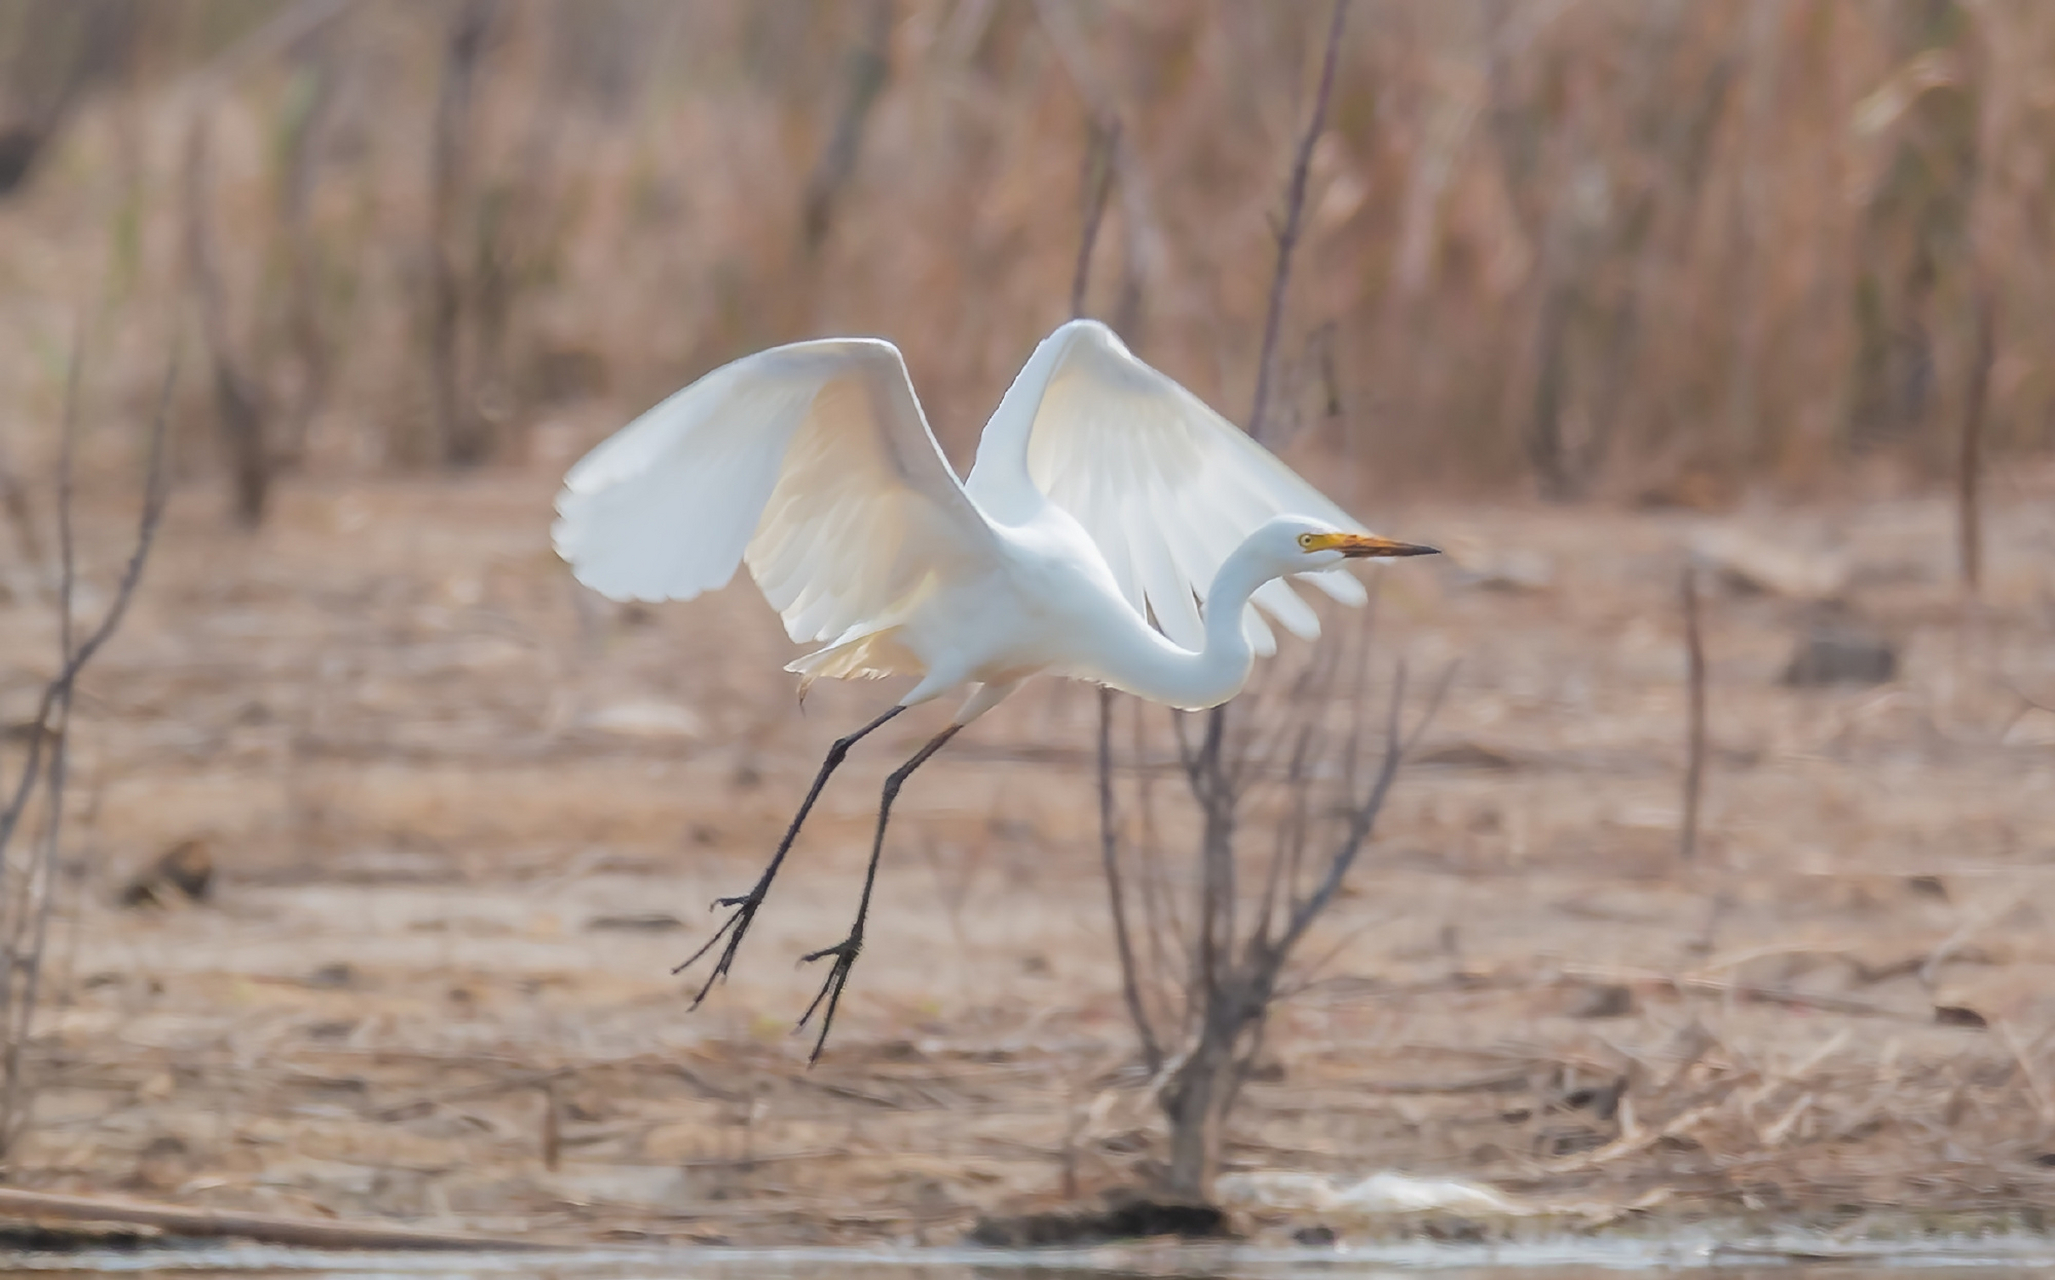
(1663, 251)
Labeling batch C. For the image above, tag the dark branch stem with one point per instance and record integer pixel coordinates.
(156, 488)
(1100, 156)
(1116, 891)
(1294, 216)
(1364, 817)
(1694, 730)
(1969, 506)
(30, 902)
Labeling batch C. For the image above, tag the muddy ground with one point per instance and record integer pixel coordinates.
(463, 818)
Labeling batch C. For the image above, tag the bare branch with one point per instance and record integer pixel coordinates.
(1294, 216)
(38, 896)
(1226, 1001)
(1969, 504)
(1364, 816)
(1290, 836)
(870, 65)
(14, 505)
(67, 543)
(1694, 742)
(1187, 754)
(156, 489)
(237, 396)
(464, 437)
(27, 906)
(1100, 158)
(1352, 746)
(1116, 893)
(1167, 930)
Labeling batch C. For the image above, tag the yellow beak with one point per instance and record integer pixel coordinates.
(1359, 545)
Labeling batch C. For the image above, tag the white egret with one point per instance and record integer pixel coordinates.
(1104, 496)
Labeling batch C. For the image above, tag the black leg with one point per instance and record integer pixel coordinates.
(745, 906)
(845, 950)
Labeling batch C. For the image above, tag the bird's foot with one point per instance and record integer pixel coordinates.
(732, 929)
(845, 953)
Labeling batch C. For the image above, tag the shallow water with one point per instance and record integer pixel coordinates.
(1795, 1259)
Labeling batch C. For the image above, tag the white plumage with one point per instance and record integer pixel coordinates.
(1105, 496)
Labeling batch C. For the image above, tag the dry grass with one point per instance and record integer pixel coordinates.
(1668, 250)
(430, 774)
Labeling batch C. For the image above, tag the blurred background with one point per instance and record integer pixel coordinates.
(1572, 248)
(1590, 293)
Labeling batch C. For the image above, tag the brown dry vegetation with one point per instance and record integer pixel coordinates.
(464, 816)
(1610, 246)
(441, 791)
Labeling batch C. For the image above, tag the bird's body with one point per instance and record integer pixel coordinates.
(813, 464)
(1042, 588)
(1114, 529)
(1047, 604)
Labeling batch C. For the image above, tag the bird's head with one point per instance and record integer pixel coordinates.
(1299, 545)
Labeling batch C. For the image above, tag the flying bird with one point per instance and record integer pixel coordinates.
(1114, 529)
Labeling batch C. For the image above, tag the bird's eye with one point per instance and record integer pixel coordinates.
(1306, 541)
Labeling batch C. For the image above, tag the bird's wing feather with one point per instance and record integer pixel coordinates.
(1165, 486)
(811, 461)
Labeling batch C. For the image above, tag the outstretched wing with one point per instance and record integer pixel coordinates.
(811, 461)
(1166, 487)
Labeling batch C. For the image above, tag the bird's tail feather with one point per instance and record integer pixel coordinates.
(867, 657)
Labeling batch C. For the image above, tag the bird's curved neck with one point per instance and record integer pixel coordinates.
(1156, 669)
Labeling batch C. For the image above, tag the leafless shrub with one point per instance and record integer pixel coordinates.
(29, 871)
(461, 432)
(1286, 788)
(1200, 1020)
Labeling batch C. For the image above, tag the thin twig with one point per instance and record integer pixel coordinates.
(1694, 762)
(1100, 155)
(28, 924)
(14, 505)
(1969, 488)
(1212, 783)
(1116, 893)
(156, 489)
(29, 927)
(1167, 931)
(463, 437)
(870, 66)
(1364, 817)
(1294, 216)
(1291, 833)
